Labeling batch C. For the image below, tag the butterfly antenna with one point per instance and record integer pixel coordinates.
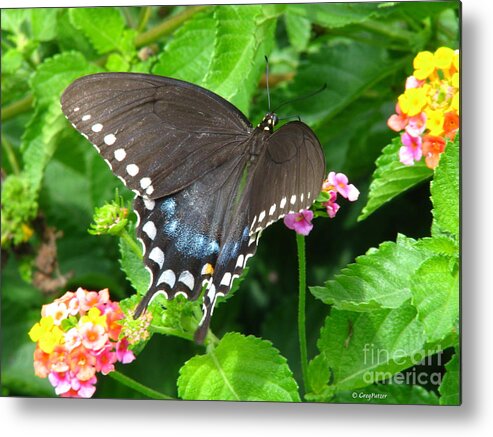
(302, 97)
(267, 80)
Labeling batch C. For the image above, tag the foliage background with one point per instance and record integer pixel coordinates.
(364, 52)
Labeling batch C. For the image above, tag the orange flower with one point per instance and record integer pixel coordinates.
(432, 148)
(451, 124)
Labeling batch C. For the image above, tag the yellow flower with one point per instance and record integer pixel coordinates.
(46, 334)
(424, 65)
(454, 105)
(434, 122)
(455, 80)
(455, 61)
(94, 316)
(443, 58)
(412, 101)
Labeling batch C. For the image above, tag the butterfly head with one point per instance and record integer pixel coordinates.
(268, 122)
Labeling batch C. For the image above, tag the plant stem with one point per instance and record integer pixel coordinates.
(145, 14)
(9, 151)
(167, 26)
(171, 331)
(300, 243)
(132, 243)
(17, 107)
(137, 386)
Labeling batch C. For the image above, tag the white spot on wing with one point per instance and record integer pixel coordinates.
(150, 190)
(283, 202)
(86, 117)
(132, 169)
(119, 154)
(187, 279)
(145, 182)
(261, 216)
(76, 109)
(157, 256)
(226, 280)
(149, 204)
(98, 127)
(168, 277)
(272, 209)
(240, 260)
(150, 229)
(109, 139)
(293, 199)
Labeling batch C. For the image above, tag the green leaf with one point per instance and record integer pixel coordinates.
(450, 387)
(244, 35)
(56, 73)
(439, 246)
(389, 394)
(445, 190)
(239, 368)
(102, 26)
(435, 289)
(379, 279)
(335, 15)
(363, 348)
(299, 30)
(347, 69)
(189, 54)
(133, 267)
(44, 23)
(12, 19)
(392, 178)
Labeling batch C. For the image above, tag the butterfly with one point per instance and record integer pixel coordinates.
(206, 181)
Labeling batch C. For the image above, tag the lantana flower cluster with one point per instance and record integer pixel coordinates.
(428, 111)
(335, 184)
(78, 335)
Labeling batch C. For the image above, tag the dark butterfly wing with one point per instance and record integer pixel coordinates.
(157, 134)
(287, 178)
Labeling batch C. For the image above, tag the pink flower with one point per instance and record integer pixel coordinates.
(340, 182)
(80, 389)
(58, 311)
(416, 125)
(72, 339)
(105, 360)
(61, 381)
(89, 299)
(123, 354)
(300, 222)
(94, 336)
(397, 121)
(331, 206)
(412, 82)
(410, 150)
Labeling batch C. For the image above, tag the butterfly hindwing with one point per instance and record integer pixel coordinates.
(157, 134)
(288, 176)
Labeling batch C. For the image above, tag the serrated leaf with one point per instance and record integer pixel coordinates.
(450, 387)
(379, 279)
(189, 54)
(133, 267)
(392, 178)
(363, 348)
(239, 368)
(56, 73)
(445, 190)
(389, 394)
(102, 26)
(439, 245)
(244, 35)
(435, 290)
(299, 30)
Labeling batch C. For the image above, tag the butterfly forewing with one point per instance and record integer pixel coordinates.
(157, 134)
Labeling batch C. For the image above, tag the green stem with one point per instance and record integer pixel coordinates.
(145, 14)
(132, 243)
(167, 26)
(171, 331)
(9, 151)
(137, 386)
(300, 243)
(17, 107)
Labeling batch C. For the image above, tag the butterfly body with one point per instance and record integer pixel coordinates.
(206, 182)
